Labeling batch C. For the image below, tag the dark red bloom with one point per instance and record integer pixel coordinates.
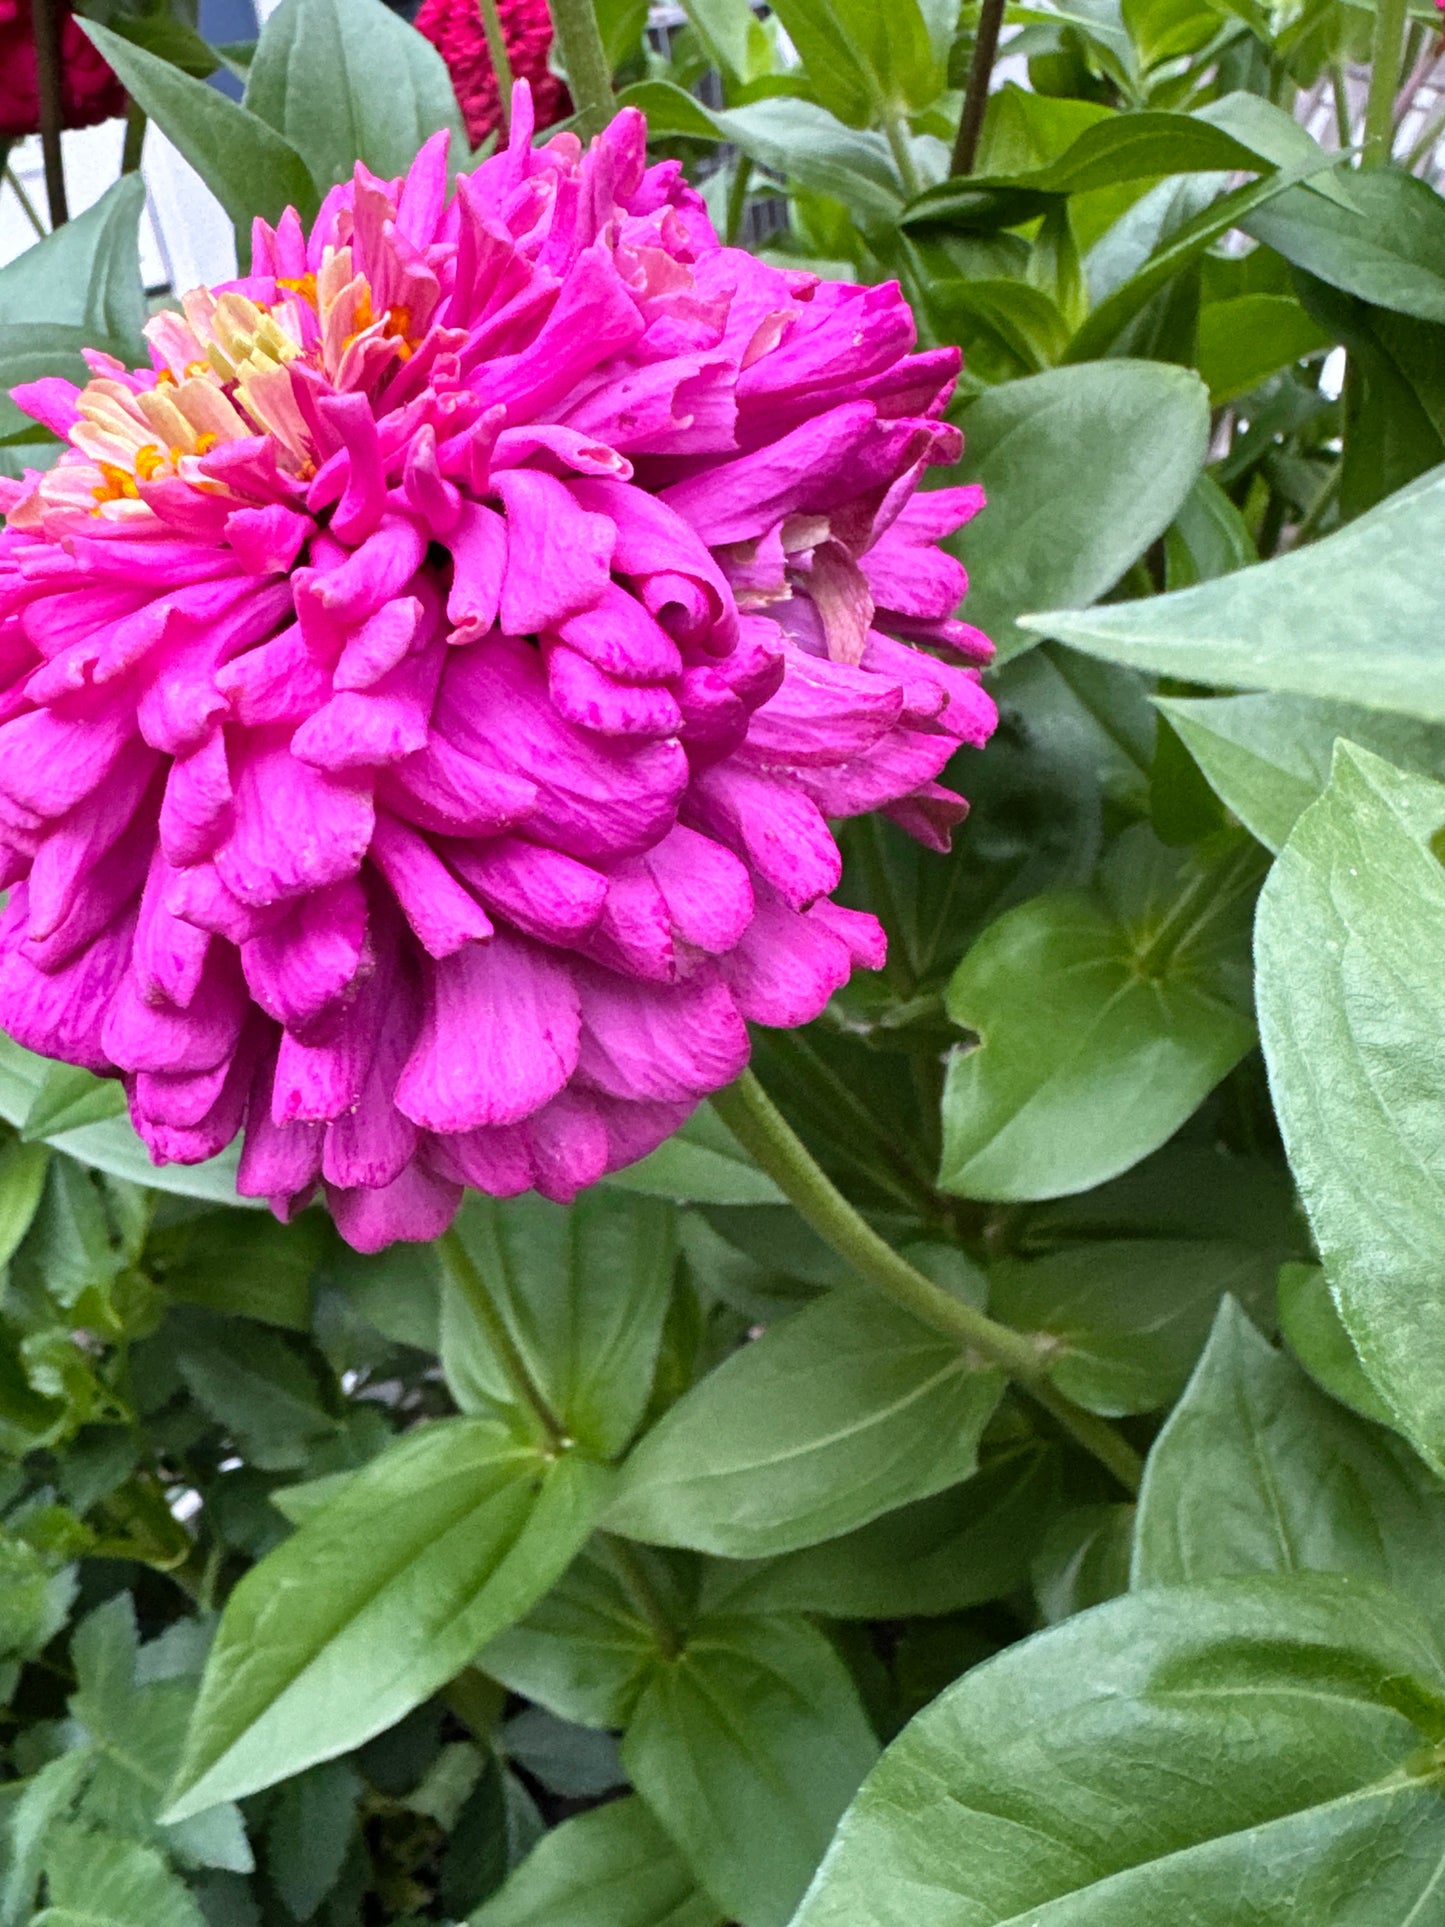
(90, 92)
(454, 27)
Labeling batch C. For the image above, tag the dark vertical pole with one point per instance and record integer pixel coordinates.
(975, 99)
(45, 25)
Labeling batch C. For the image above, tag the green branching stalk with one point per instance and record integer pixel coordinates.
(501, 60)
(1386, 45)
(765, 1133)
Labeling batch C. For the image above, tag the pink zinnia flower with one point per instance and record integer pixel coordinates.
(426, 685)
(454, 27)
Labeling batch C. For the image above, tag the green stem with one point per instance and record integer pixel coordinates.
(470, 1283)
(1386, 44)
(644, 1595)
(895, 130)
(135, 137)
(1434, 128)
(13, 182)
(765, 1133)
(583, 55)
(738, 198)
(501, 60)
(1339, 89)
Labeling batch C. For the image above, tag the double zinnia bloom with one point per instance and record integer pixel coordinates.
(424, 689)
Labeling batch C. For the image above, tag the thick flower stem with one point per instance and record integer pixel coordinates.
(45, 24)
(501, 61)
(765, 1133)
(583, 55)
(1386, 46)
(457, 1261)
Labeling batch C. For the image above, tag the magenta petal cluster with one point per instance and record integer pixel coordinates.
(424, 690)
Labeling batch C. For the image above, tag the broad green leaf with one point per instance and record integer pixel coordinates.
(1310, 1325)
(747, 1747)
(1351, 1002)
(863, 61)
(612, 1867)
(1083, 1561)
(702, 1163)
(69, 1097)
(256, 1384)
(1353, 619)
(1131, 438)
(86, 275)
(1245, 340)
(1103, 1021)
(1126, 147)
(348, 80)
(729, 30)
(1184, 247)
(1257, 1471)
(113, 1146)
(308, 1832)
(1241, 1754)
(250, 168)
(795, 138)
(584, 1651)
(960, 1548)
(845, 1410)
(1389, 248)
(1127, 1317)
(22, 1179)
(582, 1291)
(96, 1879)
(1268, 757)
(250, 1266)
(451, 1534)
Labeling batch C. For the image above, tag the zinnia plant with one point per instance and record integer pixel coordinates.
(429, 682)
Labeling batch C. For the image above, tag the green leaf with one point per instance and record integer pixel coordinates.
(1127, 1317)
(69, 1097)
(845, 1410)
(1354, 618)
(1131, 437)
(86, 275)
(1103, 1021)
(113, 1146)
(730, 32)
(747, 1747)
(22, 1179)
(1245, 1751)
(960, 1548)
(582, 1291)
(702, 1163)
(1388, 248)
(96, 1879)
(1244, 340)
(863, 61)
(612, 1867)
(1310, 1325)
(1268, 757)
(250, 1266)
(1084, 1560)
(256, 1384)
(251, 169)
(795, 138)
(1256, 1471)
(584, 1651)
(348, 80)
(1140, 146)
(1351, 1002)
(1183, 247)
(170, 39)
(451, 1534)
(308, 1832)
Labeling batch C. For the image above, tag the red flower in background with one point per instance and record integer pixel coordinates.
(454, 27)
(90, 92)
